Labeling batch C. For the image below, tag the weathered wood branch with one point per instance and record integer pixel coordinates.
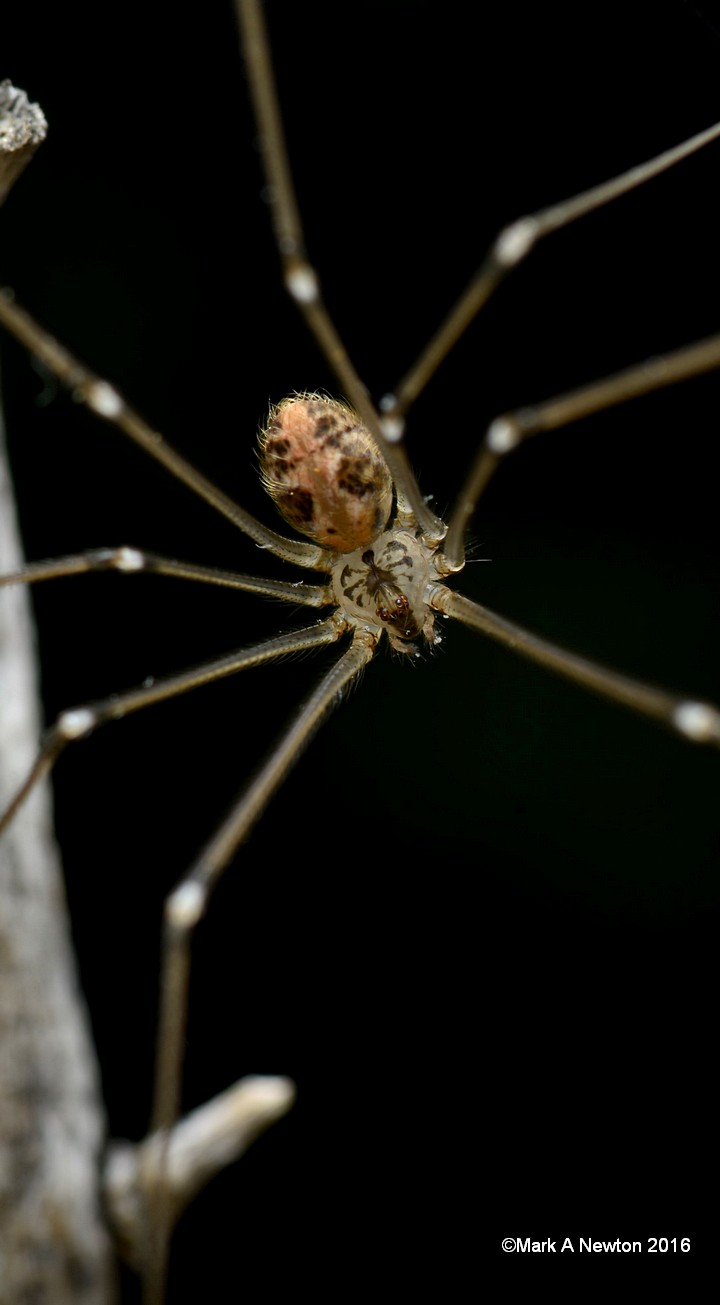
(22, 129)
(202, 1144)
(54, 1247)
(56, 1190)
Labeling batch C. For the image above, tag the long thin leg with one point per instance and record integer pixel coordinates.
(697, 721)
(301, 279)
(505, 433)
(186, 906)
(132, 561)
(78, 722)
(106, 402)
(509, 249)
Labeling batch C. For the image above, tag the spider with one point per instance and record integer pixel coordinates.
(451, 809)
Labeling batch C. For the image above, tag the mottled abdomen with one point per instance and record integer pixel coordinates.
(325, 473)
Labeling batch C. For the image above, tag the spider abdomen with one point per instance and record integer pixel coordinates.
(325, 473)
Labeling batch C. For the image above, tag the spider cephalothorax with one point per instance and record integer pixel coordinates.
(386, 586)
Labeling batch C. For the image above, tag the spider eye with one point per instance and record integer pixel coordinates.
(400, 617)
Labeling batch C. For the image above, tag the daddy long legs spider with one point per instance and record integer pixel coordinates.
(595, 834)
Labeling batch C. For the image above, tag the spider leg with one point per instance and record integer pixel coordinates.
(506, 432)
(697, 721)
(78, 722)
(511, 246)
(106, 402)
(301, 279)
(132, 561)
(186, 905)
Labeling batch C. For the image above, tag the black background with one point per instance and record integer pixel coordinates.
(478, 925)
